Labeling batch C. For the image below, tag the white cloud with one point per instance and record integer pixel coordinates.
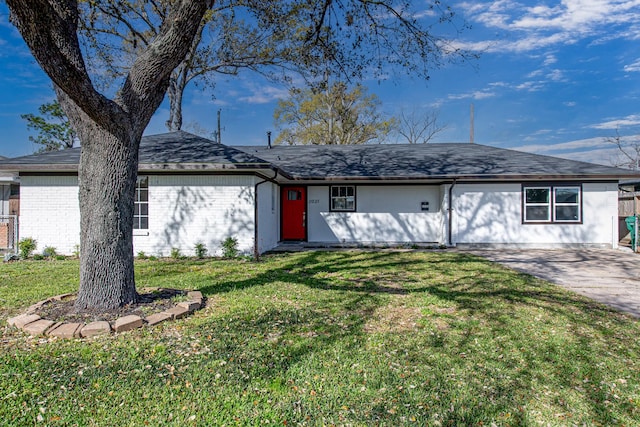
(479, 94)
(530, 86)
(634, 66)
(593, 150)
(630, 120)
(556, 75)
(569, 103)
(264, 95)
(549, 60)
(535, 73)
(527, 28)
(577, 145)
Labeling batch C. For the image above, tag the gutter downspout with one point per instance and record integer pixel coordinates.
(256, 253)
(450, 209)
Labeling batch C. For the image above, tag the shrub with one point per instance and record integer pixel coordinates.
(142, 255)
(230, 247)
(60, 257)
(153, 258)
(175, 253)
(27, 246)
(49, 252)
(76, 251)
(201, 250)
(38, 257)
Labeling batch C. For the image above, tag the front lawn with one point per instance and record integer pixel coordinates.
(329, 338)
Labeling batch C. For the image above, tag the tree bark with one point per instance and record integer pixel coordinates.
(107, 179)
(175, 94)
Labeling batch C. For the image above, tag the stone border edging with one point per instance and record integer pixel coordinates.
(33, 324)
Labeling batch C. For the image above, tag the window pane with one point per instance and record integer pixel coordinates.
(567, 213)
(143, 195)
(537, 195)
(350, 203)
(567, 195)
(144, 209)
(537, 213)
(343, 198)
(293, 195)
(136, 209)
(144, 222)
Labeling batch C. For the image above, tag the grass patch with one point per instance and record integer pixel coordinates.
(322, 338)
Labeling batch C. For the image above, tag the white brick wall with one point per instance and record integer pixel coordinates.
(183, 210)
(50, 212)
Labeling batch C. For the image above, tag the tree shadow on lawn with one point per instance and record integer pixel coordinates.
(489, 302)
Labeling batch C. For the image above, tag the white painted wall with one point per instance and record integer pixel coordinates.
(492, 214)
(183, 210)
(384, 214)
(50, 212)
(268, 216)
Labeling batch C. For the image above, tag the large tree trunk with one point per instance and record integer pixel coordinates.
(107, 178)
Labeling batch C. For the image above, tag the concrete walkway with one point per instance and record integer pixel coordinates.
(611, 277)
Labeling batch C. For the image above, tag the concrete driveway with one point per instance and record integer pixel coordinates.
(611, 277)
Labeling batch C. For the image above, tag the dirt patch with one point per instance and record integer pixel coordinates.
(394, 318)
(149, 302)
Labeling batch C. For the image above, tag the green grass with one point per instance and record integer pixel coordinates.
(330, 338)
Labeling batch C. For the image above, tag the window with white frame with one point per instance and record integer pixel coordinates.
(566, 204)
(141, 204)
(343, 198)
(552, 204)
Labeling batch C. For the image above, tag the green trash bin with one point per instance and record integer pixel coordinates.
(631, 226)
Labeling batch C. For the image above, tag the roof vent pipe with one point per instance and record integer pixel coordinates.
(269, 139)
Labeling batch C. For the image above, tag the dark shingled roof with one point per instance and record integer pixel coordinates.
(177, 151)
(431, 161)
(174, 150)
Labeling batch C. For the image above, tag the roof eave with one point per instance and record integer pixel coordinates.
(47, 167)
(142, 167)
(523, 177)
(151, 167)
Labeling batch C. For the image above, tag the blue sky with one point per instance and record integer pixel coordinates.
(553, 78)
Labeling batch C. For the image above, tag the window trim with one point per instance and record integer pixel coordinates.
(578, 204)
(355, 199)
(138, 202)
(552, 204)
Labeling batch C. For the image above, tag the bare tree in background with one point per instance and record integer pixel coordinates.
(419, 126)
(628, 151)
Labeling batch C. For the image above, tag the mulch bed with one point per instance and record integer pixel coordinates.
(149, 302)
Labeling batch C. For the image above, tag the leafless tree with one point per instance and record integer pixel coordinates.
(628, 151)
(419, 126)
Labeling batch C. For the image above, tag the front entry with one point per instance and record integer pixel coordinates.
(294, 213)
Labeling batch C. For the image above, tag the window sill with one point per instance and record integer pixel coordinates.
(140, 232)
(551, 222)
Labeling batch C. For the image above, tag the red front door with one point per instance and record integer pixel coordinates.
(294, 213)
